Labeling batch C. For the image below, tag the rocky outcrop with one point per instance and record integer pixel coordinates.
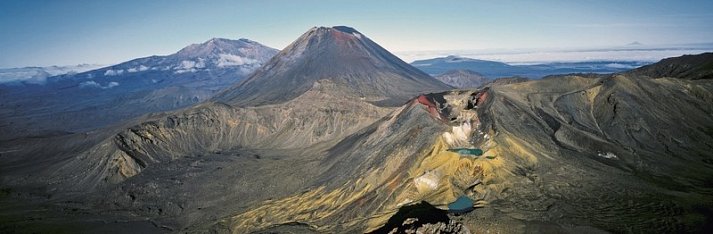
(440, 227)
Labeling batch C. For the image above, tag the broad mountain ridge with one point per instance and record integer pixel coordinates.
(101, 97)
(495, 69)
(462, 78)
(491, 69)
(217, 57)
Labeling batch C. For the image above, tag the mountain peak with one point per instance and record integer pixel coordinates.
(240, 57)
(635, 43)
(343, 33)
(345, 29)
(216, 46)
(340, 54)
(339, 43)
(217, 40)
(214, 40)
(340, 28)
(246, 40)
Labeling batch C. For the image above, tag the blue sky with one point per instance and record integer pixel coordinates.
(40, 33)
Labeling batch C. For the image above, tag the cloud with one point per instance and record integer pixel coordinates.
(620, 66)
(89, 84)
(227, 60)
(189, 66)
(38, 75)
(137, 69)
(94, 84)
(111, 72)
(30, 76)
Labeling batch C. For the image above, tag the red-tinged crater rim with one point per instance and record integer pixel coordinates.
(424, 100)
(430, 105)
(481, 97)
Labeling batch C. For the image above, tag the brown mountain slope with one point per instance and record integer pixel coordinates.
(562, 154)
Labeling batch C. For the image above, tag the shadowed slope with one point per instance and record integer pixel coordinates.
(691, 67)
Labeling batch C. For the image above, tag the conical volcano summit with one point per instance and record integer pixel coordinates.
(341, 55)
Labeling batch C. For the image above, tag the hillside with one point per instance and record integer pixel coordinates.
(690, 67)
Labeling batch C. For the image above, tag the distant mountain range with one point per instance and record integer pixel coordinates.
(462, 78)
(99, 97)
(492, 69)
(216, 58)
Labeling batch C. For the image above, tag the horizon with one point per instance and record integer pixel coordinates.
(508, 56)
(46, 33)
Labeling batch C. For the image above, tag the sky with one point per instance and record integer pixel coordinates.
(42, 33)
